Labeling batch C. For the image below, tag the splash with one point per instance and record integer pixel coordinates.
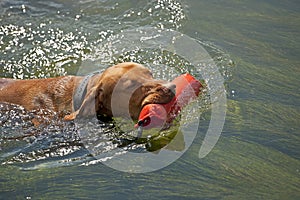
(70, 42)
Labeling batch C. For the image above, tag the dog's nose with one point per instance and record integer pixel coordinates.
(170, 86)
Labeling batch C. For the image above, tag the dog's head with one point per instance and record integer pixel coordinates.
(123, 90)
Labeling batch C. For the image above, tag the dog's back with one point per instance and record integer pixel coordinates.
(51, 93)
(5, 81)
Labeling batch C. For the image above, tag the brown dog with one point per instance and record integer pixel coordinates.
(120, 90)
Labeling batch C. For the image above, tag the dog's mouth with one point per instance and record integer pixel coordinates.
(152, 99)
(160, 95)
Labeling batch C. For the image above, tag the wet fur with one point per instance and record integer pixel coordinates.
(56, 93)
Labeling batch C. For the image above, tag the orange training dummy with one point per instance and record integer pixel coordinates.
(156, 115)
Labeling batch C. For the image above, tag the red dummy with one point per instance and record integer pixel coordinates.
(156, 115)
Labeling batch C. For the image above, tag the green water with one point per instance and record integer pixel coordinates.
(257, 155)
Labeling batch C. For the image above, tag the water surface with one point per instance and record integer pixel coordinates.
(255, 45)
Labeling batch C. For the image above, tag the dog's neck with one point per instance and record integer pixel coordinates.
(81, 90)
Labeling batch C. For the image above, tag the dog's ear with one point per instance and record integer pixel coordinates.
(88, 106)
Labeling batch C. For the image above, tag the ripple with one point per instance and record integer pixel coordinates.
(62, 37)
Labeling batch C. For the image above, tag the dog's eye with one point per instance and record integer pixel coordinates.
(162, 89)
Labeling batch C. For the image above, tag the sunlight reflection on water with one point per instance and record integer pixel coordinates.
(60, 42)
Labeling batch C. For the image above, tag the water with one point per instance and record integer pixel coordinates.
(255, 46)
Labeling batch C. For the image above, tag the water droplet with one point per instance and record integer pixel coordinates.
(77, 17)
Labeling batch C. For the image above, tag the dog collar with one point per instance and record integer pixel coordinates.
(80, 91)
